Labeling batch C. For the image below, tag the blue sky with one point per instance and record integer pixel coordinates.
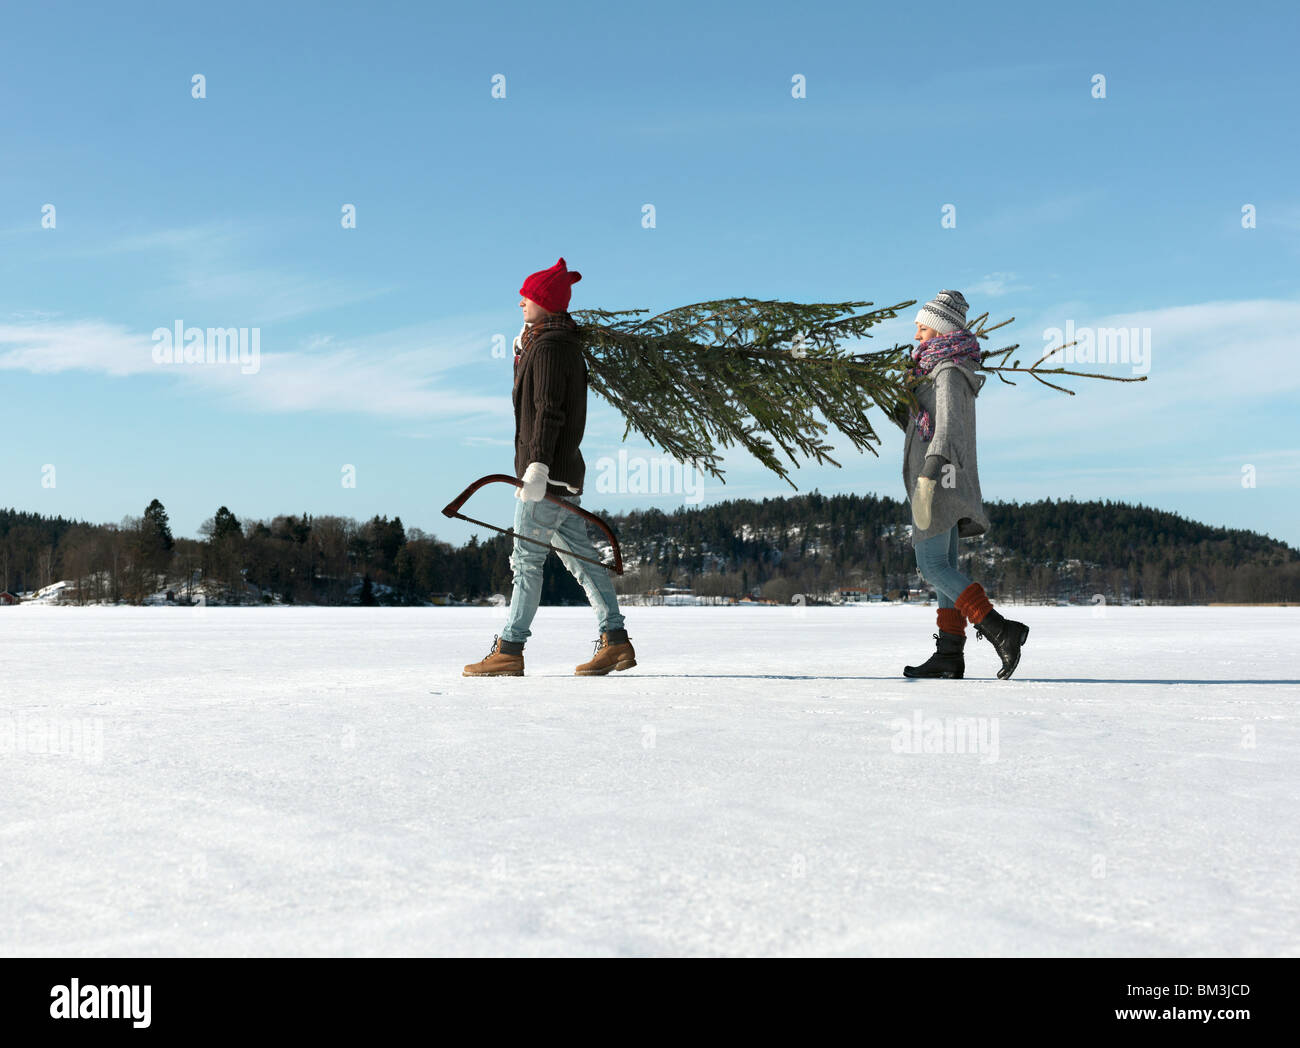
(377, 341)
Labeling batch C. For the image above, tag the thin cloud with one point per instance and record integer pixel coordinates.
(192, 241)
(1206, 361)
(406, 373)
(275, 296)
(46, 347)
(478, 442)
(214, 263)
(993, 285)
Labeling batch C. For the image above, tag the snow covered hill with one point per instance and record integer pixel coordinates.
(323, 781)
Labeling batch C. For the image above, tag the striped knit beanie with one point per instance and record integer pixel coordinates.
(946, 312)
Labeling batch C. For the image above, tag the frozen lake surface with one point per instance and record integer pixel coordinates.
(281, 781)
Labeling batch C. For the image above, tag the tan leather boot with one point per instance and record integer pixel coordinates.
(506, 659)
(613, 652)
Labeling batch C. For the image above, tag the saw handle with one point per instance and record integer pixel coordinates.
(452, 509)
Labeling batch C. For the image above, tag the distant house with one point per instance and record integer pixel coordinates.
(10, 598)
(852, 595)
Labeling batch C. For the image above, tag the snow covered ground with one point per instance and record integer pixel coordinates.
(323, 781)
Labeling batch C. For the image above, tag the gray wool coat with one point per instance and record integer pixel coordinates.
(948, 393)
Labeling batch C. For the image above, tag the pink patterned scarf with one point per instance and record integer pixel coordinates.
(959, 345)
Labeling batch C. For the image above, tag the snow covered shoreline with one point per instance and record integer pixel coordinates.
(323, 781)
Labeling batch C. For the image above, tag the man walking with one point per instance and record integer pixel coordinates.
(550, 402)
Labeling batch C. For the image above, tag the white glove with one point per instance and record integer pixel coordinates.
(922, 502)
(534, 478)
(519, 340)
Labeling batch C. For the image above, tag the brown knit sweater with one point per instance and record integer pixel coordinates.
(550, 399)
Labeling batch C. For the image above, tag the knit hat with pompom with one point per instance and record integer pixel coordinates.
(551, 288)
(946, 312)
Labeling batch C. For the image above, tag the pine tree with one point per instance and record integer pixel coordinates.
(156, 525)
(772, 377)
(224, 524)
(153, 545)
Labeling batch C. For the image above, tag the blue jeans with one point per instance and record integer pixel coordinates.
(936, 560)
(547, 522)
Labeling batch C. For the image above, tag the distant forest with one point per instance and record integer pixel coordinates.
(814, 545)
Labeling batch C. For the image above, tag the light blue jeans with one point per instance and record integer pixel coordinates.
(936, 560)
(547, 522)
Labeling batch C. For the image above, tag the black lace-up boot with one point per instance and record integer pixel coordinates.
(1006, 636)
(947, 662)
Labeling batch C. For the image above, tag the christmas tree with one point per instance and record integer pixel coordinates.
(770, 377)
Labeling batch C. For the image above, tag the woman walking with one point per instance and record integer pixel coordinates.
(943, 486)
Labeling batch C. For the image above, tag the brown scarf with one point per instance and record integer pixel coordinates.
(553, 322)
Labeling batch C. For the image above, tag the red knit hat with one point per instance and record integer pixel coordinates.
(551, 288)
